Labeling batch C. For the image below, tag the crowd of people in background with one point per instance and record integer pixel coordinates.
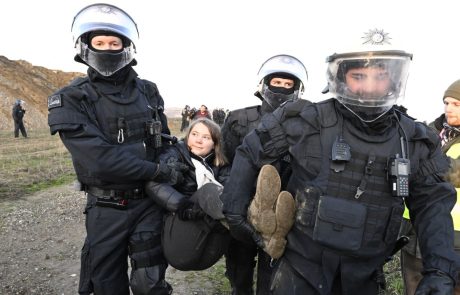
(189, 114)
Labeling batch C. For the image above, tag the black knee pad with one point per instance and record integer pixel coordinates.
(150, 280)
(148, 265)
(145, 250)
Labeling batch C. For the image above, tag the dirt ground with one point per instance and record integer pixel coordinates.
(40, 241)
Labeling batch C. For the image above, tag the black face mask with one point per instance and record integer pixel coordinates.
(281, 90)
(275, 99)
(118, 78)
(270, 77)
(275, 96)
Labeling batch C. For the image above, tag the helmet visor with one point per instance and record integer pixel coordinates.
(369, 80)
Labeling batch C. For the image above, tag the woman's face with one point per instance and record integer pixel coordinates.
(200, 141)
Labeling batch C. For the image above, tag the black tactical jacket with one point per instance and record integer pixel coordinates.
(238, 124)
(170, 196)
(102, 124)
(18, 113)
(298, 130)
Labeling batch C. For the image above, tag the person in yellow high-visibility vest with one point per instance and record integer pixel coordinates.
(448, 126)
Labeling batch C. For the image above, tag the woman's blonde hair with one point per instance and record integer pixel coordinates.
(216, 136)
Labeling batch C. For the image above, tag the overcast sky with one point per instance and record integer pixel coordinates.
(209, 51)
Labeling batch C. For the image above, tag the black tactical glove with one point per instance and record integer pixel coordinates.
(241, 230)
(435, 282)
(191, 212)
(171, 172)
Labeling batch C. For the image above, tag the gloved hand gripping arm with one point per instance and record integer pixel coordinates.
(166, 196)
(263, 145)
(171, 172)
(241, 230)
(169, 198)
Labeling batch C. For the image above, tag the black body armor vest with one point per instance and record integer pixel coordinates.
(123, 118)
(349, 205)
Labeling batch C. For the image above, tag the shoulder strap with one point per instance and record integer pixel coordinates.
(327, 113)
(151, 92)
(78, 81)
(252, 114)
(246, 115)
(294, 108)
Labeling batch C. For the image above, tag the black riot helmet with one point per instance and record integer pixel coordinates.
(109, 20)
(369, 78)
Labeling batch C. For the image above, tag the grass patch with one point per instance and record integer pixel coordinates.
(393, 276)
(217, 276)
(29, 165)
(39, 162)
(62, 179)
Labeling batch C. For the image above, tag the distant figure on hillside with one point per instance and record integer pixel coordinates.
(202, 113)
(18, 115)
(186, 117)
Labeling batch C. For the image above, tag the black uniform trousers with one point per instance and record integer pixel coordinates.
(19, 125)
(110, 233)
(240, 264)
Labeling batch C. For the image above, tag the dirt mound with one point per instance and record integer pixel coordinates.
(33, 84)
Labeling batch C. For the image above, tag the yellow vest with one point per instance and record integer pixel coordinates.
(453, 152)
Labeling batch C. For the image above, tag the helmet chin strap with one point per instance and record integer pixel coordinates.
(356, 113)
(270, 105)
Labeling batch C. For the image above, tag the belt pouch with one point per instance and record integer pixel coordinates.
(340, 223)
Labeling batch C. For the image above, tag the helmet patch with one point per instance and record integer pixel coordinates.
(106, 9)
(376, 37)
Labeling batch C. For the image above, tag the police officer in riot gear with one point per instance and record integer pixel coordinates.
(111, 122)
(355, 161)
(18, 118)
(276, 70)
(281, 78)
